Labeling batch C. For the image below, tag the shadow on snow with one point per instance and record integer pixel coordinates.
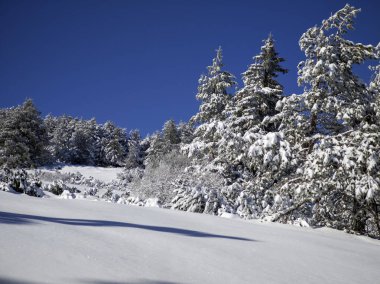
(15, 218)
(92, 281)
(143, 281)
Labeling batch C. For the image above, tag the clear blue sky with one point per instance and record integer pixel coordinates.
(137, 63)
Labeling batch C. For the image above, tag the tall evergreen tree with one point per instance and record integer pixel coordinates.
(334, 96)
(61, 130)
(114, 145)
(170, 133)
(214, 97)
(23, 137)
(156, 150)
(213, 91)
(337, 184)
(186, 132)
(258, 98)
(82, 144)
(135, 156)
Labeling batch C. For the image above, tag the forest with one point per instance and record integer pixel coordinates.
(256, 151)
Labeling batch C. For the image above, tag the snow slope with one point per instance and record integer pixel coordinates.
(48, 240)
(100, 173)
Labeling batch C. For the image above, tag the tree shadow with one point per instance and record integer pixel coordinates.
(7, 280)
(141, 281)
(16, 218)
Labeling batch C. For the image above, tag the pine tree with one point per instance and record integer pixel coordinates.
(14, 151)
(254, 102)
(335, 98)
(93, 132)
(258, 98)
(82, 144)
(156, 150)
(170, 133)
(186, 132)
(338, 183)
(135, 156)
(251, 148)
(23, 137)
(212, 91)
(60, 131)
(114, 145)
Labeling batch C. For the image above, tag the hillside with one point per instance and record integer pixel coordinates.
(50, 240)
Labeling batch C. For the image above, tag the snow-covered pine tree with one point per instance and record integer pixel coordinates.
(170, 133)
(213, 91)
(209, 125)
(32, 126)
(258, 98)
(162, 143)
(254, 102)
(23, 137)
(335, 98)
(186, 132)
(82, 150)
(338, 182)
(93, 131)
(14, 151)
(114, 145)
(253, 153)
(135, 156)
(156, 150)
(214, 97)
(60, 130)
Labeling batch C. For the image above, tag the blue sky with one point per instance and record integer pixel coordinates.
(137, 63)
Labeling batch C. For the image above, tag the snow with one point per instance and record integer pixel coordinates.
(67, 195)
(100, 173)
(229, 215)
(152, 202)
(51, 240)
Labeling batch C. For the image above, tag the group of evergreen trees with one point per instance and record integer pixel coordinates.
(27, 140)
(312, 156)
(78, 141)
(258, 152)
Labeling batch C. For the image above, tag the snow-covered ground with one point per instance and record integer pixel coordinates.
(49, 240)
(99, 173)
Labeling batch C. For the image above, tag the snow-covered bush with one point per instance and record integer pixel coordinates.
(67, 195)
(198, 190)
(157, 181)
(20, 181)
(129, 175)
(57, 187)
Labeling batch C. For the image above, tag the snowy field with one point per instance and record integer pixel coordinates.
(99, 173)
(49, 240)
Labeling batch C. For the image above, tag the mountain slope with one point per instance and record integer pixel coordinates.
(79, 241)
